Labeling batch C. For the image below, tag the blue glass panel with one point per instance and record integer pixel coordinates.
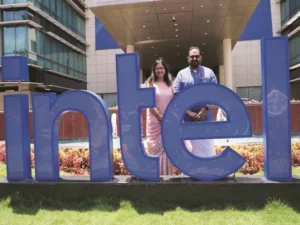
(15, 68)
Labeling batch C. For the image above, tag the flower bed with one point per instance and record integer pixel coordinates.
(76, 160)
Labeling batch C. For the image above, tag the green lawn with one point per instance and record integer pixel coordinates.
(16, 210)
(19, 210)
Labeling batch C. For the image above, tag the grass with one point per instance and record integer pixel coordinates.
(17, 209)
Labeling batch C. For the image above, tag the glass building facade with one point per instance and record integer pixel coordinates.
(46, 44)
(290, 26)
(294, 45)
(64, 13)
(289, 9)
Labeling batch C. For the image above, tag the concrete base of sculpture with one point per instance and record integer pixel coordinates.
(173, 189)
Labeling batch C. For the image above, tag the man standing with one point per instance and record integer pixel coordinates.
(195, 74)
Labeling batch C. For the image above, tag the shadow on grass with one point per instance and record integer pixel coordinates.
(29, 199)
(30, 205)
(24, 205)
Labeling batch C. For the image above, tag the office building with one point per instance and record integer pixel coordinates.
(290, 26)
(227, 31)
(51, 33)
(71, 44)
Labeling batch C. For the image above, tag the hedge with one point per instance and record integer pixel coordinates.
(76, 160)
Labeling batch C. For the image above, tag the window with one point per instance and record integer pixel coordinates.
(59, 10)
(48, 52)
(64, 13)
(43, 50)
(21, 39)
(32, 42)
(40, 48)
(8, 15)
(80, 63)
(110, 99)
(250, 93)
(4, 2)
(294, 45)
(70, 17)
(15, 40)
(47, 4)
(32, 39)
(54, 56)
(53, 9)
(84, 65)
(41, 43)
(288, 9)
(11, 15)
(21, 15)
(9, 40)
(33, 45)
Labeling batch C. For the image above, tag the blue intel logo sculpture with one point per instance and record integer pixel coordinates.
(47, 109)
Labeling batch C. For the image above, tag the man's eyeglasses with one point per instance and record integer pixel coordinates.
(194, 56)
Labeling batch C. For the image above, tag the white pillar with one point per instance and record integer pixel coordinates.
(221, 74)
(275, 17)
(130, 49)
(227, 58)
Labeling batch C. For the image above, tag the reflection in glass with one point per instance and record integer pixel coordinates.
(20, 1)
(21, 40)
(294, 46)
(61, 11)
(288, 9)
(15, 40)
(8, 15)
(9, 40)
(32, 42)
(7, 2)
(4, 2)
(43, 50)
(253, 93)
(20, 15)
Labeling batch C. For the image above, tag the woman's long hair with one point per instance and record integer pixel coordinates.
(153, 77)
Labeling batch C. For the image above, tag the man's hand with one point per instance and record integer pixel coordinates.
(201, 115)
(192, 114)
(159, 117)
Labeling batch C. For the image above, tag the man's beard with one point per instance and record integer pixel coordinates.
(194, 63)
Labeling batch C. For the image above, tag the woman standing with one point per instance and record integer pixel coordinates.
(161, 80)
